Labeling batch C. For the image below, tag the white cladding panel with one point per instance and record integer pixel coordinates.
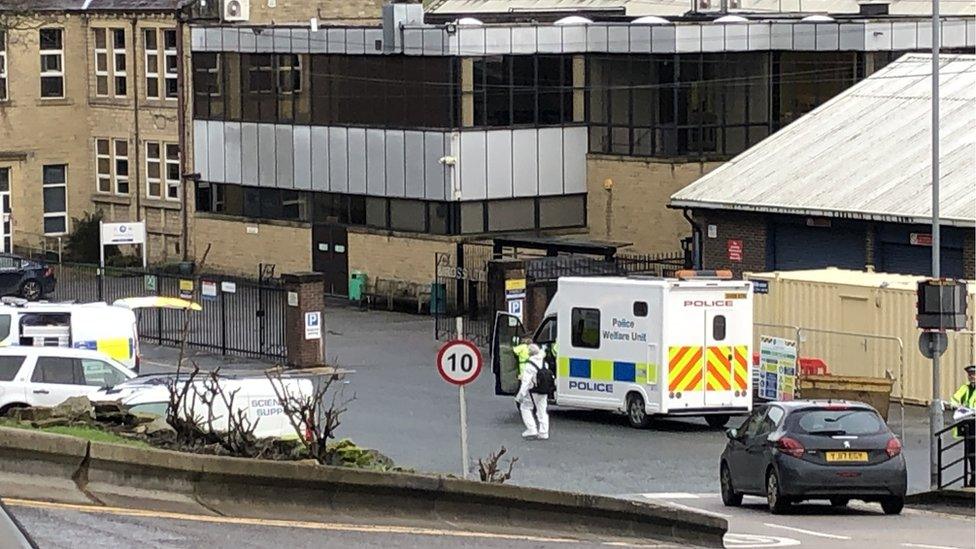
(303, 157)
(284, 156)
(550, 160)
(356, 147)
(200, 156)
(413, 156)
(249, 153)
(500, 164)
(266, 155)
(525, 159)
(338, 161)
(435, 173)
(472, 165)
(375, 163)
(320, 158)
(232, 152)
(394, 164)
(574, 160)
(215, 147)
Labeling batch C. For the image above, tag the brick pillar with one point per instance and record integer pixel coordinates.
(306, 294)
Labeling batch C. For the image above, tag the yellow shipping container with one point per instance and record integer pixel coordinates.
(854, 322)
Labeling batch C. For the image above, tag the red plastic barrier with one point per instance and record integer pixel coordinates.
(808, 366)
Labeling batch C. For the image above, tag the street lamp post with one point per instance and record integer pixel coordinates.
(935, 409)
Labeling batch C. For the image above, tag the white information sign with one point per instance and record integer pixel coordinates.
(313, 325)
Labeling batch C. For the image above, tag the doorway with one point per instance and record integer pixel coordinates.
(330, 257)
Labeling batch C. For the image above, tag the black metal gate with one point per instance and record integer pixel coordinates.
(461, 289)
(240, 317)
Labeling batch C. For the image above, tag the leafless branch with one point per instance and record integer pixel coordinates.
(489, 471)
(314, 418)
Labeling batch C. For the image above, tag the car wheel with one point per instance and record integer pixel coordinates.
(716, 421)
(892, 505)
(839, 502)
(30, 290)
(636, 413)
(730, 498)
(5, 410)
(777, 503)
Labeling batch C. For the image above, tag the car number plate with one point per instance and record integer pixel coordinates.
(847, 456)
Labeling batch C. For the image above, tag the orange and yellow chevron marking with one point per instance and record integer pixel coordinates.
(685, 365)
(740, 368)
(718, 376)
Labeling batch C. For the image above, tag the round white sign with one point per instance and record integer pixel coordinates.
(459, 362)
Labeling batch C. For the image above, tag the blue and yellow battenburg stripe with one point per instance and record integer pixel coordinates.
(606, 370)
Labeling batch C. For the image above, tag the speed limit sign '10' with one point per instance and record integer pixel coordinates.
(459, 362)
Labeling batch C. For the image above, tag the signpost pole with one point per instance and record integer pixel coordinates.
(935, 409)
(464, 413)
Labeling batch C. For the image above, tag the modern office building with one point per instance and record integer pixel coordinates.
(372, 147)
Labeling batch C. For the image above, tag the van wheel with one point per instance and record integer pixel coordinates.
(30, 290)
(636, 413)
(716, 421)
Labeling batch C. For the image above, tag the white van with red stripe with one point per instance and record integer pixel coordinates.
(642, 346)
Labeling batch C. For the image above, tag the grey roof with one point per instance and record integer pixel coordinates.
(90, 5)
(637, 8)
(865, 154)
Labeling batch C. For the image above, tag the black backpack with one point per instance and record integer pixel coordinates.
(545, 382)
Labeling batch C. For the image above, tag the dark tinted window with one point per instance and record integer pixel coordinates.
(10, 365)
(56, 370)
(640, 308)
(718, 328)
(586, 328)
(4, 326)
(838, 421)
(547, 332)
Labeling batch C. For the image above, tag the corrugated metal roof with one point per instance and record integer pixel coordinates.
(865, 154)
(89, 5)
(637, 8)
(833, 275)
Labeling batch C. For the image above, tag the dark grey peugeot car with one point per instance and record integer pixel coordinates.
(806, 450)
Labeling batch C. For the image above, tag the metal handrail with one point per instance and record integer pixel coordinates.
(942, 448)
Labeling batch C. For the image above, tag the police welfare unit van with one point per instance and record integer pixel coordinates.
(109, 329)
(643, 346)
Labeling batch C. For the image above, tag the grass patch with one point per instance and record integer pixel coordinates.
(88, 433)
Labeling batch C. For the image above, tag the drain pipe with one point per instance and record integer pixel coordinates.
(696, 239)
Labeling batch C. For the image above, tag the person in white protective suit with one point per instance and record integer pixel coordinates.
(533, 405)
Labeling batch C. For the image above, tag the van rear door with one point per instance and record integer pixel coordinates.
(504, 337)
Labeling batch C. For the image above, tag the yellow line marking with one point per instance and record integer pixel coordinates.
(307, 525)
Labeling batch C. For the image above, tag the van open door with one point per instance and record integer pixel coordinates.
(505, 335)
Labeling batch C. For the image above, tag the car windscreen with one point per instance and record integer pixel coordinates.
(837, 421)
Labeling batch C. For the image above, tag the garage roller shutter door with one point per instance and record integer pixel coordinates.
(917, 260)
(801, 247)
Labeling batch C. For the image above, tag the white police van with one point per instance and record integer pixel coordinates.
(642, 346)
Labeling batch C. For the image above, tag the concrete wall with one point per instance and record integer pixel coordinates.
(634, 210)
(396, 256)
(352, 12)
(35, 132)
(237, 247)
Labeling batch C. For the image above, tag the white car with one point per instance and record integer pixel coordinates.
(47, 376)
